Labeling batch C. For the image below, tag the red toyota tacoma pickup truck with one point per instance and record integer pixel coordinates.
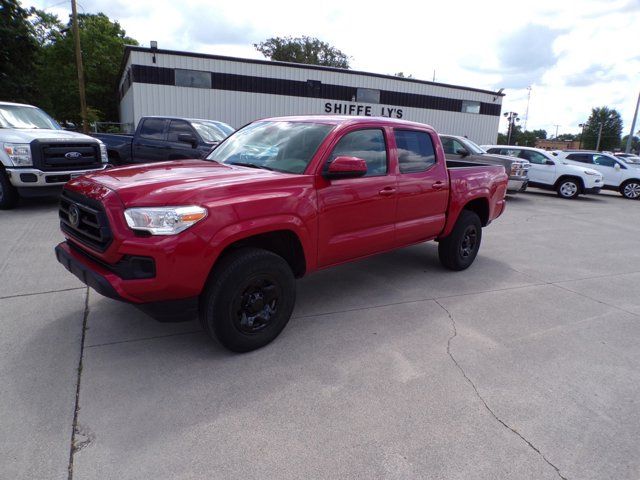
(276, 200)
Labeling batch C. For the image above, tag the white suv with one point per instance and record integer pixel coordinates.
(619, 175)
(553, 173)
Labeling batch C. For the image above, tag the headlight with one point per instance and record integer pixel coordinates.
(591, 172)
(164, 220)
(19, 154)
(103, 153)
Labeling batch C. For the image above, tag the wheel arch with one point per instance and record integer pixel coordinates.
(564, 177)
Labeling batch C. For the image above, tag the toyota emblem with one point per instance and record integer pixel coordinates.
(74, 215)
(73, 155)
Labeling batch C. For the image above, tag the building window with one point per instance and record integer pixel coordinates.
(469, 106)
(368, 95)
(193, 78)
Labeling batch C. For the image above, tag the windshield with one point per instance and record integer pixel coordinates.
(475, 148)
(228, 129)
(20, 116)
(209, 132)
(281, 146)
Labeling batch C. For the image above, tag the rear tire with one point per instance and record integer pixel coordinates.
(630, 189)
(248, 299)
(460, 248)
(8, 193)
(568, 188)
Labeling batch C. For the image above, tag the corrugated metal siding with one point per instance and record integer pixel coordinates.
(239, 108)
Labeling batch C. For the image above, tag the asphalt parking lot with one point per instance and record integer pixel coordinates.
(525, 366)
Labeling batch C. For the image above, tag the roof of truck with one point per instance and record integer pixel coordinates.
(347, 119)
(16, 104)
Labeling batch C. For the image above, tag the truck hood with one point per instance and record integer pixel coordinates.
(16, 135)
(180, 182)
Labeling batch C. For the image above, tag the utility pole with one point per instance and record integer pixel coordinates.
(557, 126)
(83, 100)
(633, 127)
(526, 114)
(581, 125)
(599, 137)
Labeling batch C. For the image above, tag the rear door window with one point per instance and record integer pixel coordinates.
(415, 151)
(580, 157)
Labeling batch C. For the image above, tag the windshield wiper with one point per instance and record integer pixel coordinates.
(252, 165)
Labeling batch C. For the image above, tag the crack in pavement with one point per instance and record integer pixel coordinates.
(41, 293)
(486, 406)
(73, 447)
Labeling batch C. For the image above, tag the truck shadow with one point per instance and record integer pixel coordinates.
(411, 274)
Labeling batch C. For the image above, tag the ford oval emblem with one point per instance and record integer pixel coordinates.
(74, 215)
(73, 155)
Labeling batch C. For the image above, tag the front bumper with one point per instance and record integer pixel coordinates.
(33, 177)
(90, 276)
(108, 284)
(516, 184)
(592, 190)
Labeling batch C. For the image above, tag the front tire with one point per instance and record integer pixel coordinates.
(630, 189)
(248, 300)
(8, 193)
(459, 249)
(568, 188)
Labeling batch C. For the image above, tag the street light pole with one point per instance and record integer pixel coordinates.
(633, 127)
(512, 118)
(81, 90)
(599, 137)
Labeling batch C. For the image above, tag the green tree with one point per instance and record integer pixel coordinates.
(18, 50)
(541, 134)
(102, 42)
(611, 129)
(304, 49)
(568, 136)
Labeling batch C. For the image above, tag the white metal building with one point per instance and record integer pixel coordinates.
(237, 91)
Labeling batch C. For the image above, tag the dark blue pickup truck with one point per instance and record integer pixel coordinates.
(164, 138)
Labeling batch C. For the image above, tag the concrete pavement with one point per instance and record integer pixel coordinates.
(525, 366)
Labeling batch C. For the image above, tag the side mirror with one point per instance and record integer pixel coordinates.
(346, 167)
(462, 151)
(188, 138)
(617, 167)
(549, 162)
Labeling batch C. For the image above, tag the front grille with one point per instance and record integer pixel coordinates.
(59, 156)
(91, 227)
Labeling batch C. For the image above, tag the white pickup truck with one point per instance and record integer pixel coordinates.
(37, 157)
(552, 173)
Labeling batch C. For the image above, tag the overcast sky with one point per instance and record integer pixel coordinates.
(575, 54)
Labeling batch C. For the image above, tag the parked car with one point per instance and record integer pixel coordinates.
(629, 158)
(279, 199)
(458, 148)
(551, 173)
(158, 139)
(38, 157)
(618, 175)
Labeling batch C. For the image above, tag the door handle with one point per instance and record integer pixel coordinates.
(438, 185)
(387, 191)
